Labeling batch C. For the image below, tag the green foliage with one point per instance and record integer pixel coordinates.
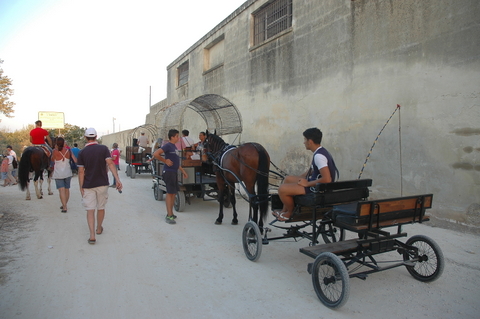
(71, 134)
(6, 106)
(20, 139)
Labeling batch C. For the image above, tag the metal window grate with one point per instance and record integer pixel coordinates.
(183, 74)
(271, 20)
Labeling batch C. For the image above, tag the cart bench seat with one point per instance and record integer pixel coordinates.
(325, 197)
(382, 213)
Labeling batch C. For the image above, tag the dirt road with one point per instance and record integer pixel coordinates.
(142, 267)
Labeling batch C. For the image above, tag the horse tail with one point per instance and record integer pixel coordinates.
(262, 179)
(24, 168)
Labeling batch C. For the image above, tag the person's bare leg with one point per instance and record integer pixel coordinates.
(61, 193)
(286, 193)
(67, 197)
(91, 223)
(100, 218)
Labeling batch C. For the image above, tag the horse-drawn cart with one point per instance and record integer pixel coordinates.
(218, 114)
(138, 158)
(200, 183)
(336, 207)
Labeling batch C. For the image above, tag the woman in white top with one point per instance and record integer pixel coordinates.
(62, 172)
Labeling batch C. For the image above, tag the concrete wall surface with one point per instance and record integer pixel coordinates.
(344, 66)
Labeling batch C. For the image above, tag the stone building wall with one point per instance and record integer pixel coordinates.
(344, 66)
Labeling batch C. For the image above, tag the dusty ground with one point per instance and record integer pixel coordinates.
(142, 267)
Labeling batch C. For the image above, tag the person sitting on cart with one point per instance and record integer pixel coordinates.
(322, 170)
(143, 140)
(172, 165)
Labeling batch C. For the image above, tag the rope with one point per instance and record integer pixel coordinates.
(376, 139)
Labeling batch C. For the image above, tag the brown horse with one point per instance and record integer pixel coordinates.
(247, 164)
(35, 160)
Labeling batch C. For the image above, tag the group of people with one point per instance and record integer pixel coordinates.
(94, 161)
(8, 168)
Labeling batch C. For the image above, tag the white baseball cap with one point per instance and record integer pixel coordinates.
(90, 132)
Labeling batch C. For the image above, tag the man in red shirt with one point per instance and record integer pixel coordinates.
(38, 136)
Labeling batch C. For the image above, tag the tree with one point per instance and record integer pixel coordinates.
(71, 134)
(6, 106)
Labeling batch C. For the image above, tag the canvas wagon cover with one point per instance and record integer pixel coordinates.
(219, 114)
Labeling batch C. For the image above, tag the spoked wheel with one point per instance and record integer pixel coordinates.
(330, 280)
(430, 263)
(179, 204)
(330, 233)
(252, 241)
(157, 192)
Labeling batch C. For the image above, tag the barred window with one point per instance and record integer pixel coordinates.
(182, 71)
(272, 19)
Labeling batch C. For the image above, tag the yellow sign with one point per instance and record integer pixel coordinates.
(52, 119)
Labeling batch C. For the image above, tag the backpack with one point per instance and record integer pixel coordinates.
(14, 163)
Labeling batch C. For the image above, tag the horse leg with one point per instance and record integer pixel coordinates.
(233, 201)
(49, 180)
(37, 191)
(28, 192)
(221, 191)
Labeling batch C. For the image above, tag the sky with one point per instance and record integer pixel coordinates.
(95, 60)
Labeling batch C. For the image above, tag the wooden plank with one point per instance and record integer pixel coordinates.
(385, 223)
(393, 205)
(336, 248)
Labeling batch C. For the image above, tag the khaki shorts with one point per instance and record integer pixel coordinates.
(95, 198)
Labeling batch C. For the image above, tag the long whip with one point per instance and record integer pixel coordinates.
(376, 139)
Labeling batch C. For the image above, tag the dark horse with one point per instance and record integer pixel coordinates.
(35, 160)
(248, 164)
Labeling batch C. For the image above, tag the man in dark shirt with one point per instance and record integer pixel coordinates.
(172, 165)
(93, 179)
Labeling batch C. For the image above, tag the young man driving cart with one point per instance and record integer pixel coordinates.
(322, 170)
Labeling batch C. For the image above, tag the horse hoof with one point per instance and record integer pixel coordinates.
(217, 222)
(51, 193)
(234, 222)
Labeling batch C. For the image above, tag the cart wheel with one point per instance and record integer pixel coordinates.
(133, 172)
(252, 241)
(330, 233)
(430, 262)
(157, 192)
(179, 204)
(330, 280)
(128, 171)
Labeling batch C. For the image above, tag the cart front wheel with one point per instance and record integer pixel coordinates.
(330, 280)
(428, 265)
(133, 172)
(330, 233)
(128, 171)
(179, 204)
(157, 192)
(252, 241)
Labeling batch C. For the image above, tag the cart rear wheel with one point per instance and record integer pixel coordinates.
(133, 172)
(430, 262)
(128, 171)
(330, 233)
(179, 204)
(330, 280)
(252, 241)
(157, 192)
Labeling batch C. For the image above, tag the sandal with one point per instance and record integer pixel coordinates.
(281, 216)
(101, 231)
(92, 241)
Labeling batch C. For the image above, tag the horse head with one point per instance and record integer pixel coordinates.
(214, 145)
